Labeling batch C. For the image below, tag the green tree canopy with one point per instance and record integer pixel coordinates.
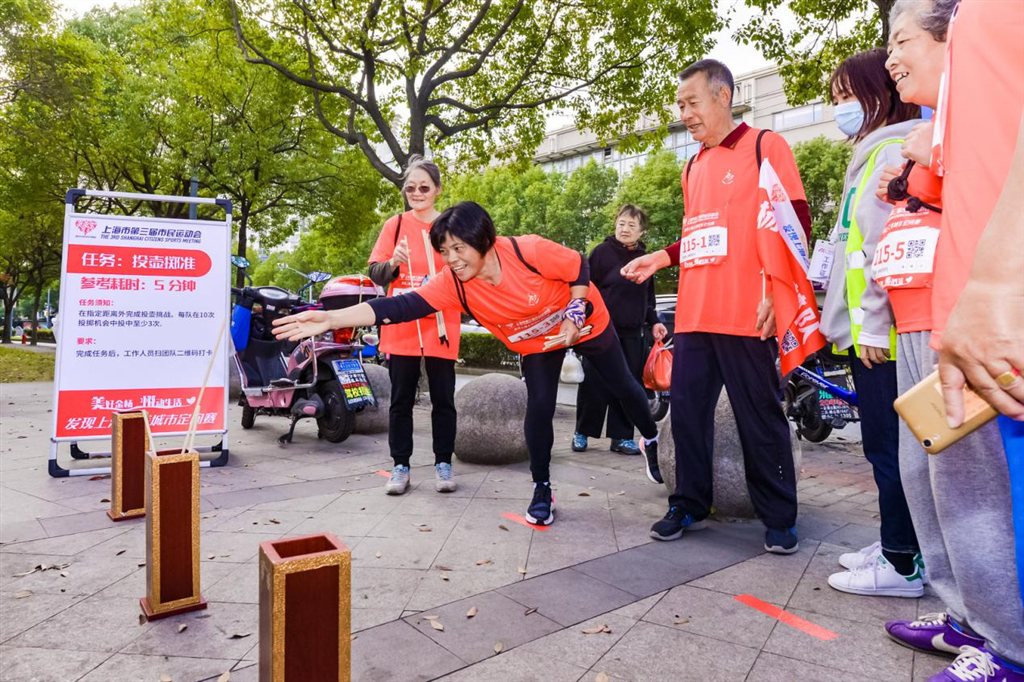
(822, 163)
(474, 78)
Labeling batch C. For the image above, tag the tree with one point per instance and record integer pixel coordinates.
(578, 218)
(826, 33)
(473, 77)
(520, 199)
(822, 163)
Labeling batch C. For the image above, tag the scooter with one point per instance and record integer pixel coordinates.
(820, 397)
(320, 379)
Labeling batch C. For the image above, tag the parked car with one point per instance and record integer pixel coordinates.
(665, 307)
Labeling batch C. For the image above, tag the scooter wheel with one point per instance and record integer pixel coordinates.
(248, 417)
(337, 422)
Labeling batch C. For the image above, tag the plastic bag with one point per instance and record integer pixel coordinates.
(658, 368)
(572, 369)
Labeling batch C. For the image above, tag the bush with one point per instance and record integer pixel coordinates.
(43, 335)
(485, 351)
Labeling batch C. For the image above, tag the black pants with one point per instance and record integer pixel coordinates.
(879, 427)
(541, 372)
(701, 364)
(594, 399)
(405, 376)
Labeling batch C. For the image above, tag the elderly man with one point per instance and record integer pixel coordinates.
(724, 320)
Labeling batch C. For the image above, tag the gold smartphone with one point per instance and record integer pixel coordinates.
(924, 411)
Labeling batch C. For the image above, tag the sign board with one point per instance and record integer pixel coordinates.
(141, 303)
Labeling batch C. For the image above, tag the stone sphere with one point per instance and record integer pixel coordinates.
(375, 419)
(491, 411)
(731, 498)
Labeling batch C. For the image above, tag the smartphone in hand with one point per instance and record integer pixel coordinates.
(924, 411)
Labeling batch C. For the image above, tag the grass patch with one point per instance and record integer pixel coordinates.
(18, 365)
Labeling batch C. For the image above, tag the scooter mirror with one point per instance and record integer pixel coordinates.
(240, 261)
(317, 276)
(370, 339)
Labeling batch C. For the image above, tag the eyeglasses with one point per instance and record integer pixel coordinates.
(413, 189)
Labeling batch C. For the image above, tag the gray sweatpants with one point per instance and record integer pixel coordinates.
(960, 503)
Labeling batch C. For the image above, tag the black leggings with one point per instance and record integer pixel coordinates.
(405, 376)
(541, 372)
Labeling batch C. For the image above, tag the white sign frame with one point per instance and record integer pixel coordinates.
(69, 307)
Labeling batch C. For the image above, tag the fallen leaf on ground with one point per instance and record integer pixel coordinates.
(498, 647)
(23, 594)
(602, 677)
(597, 629)
(430, 617)
(471, 612)
(502, 526)
(680, 621)
(426, 530)
(436, 624)
(483, 562)
(583, 494)
(99, 478)
(142, 564)
(240, 635)
(275, 521)
(105, 499)
(530, 610)
(522, 571)
(210, 557)
(142, 619)
(378, 555)
(63, 574)
(120, 553)
(225, 677)
(444, 578)
(182, 627)
(621, 492)
(166, 678)
(442, 568)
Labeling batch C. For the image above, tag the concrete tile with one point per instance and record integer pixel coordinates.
(856, 649)
(574, 646)
(18, 507)
(135, 667)
(437, 588)
(852, 536)
(384, 588)
(39, 664)
(774, 668)
(638, 609)
(813, 594)
(770, 578)
(75, 523)
(313, 503)
(655, 653)
(67, 545)
(567, 596)
(134, 584)
(85, 573)
(258, 521)
(20, 531)
(517, 666)
(711, 614)
(240, 585)
(404, 525)
(421, 659)
(18, 614)
(927, 665)
(209, 634)
(465, 547)
(417, 552)
(498, 619)
(112, 622)
(365, 618)
(231, 547)
(639, 574)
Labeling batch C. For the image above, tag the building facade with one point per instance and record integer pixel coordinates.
(758, 99)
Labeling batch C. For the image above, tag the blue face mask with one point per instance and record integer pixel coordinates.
(849, 117)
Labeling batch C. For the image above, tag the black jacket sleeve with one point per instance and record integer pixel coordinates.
(404, 308)
(652, 312)
(583, 279)
(383, 273)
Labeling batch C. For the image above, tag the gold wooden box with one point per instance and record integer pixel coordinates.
(130, 438)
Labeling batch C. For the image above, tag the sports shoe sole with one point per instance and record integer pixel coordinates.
(928, 650)
(647, 468)
(779, 549)
(696, 525)
(546, 522)
(396, 491)
(909, 593)
(445, 486)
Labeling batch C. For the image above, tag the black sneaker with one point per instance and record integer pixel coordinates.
(542, 508)
(675, 522)
(650, 450)
(781, 540)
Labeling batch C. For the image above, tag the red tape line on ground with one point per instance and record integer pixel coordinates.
(516, 518)
(804, 626)
(381, 472)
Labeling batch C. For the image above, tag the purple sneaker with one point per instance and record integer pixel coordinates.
(933, 633)
(978, 665)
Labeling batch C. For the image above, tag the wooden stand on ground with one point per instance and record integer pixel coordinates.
(172, 534)
(130, 439)
(305, 610)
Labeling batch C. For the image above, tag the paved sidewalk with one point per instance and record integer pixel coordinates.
(591, 598)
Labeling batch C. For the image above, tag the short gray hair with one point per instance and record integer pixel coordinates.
(717, 73)
(417, 162)
(932, 15)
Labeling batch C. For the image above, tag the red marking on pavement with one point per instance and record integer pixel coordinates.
(804, 626)
(516, 518)
(381, 472)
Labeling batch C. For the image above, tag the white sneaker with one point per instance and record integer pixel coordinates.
(862, 557)
(878, 579)
(399, 481)
(443, 481)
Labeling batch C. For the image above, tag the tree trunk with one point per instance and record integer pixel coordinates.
(8, 319)
(35, 315)
(243, 222)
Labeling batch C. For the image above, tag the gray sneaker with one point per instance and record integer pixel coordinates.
(399, 481)
(443, 481)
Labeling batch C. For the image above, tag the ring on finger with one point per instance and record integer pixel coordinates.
(1008, 378)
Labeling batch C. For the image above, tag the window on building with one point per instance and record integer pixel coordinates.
(800, 116)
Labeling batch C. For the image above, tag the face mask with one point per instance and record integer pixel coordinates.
(849, 117)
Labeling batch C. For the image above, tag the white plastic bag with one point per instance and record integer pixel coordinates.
(572, 369)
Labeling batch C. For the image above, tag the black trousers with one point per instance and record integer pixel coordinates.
(701, 365)
(541, 372)
(405, 376)
(595, 400)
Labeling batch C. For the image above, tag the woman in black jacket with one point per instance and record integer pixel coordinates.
(631, 307)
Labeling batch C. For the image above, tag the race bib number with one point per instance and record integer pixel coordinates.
(705, 240)
(905, 256)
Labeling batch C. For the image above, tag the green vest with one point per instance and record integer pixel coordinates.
(856, 282)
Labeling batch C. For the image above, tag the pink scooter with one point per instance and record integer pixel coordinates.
(318, 378)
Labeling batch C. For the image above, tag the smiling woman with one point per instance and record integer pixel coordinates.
(532, 294)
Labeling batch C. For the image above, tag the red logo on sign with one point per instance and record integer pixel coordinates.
(85, 226)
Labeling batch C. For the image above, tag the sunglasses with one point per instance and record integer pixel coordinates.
(413, 189)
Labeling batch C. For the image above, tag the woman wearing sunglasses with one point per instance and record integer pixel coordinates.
(399, 263)
(531, 293)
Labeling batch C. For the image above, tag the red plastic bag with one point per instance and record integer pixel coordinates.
(658, 368)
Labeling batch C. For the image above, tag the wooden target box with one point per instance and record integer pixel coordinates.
(305, 609)
(130, 439)
(172, 534)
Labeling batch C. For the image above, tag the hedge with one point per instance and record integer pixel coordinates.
(485, 351)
